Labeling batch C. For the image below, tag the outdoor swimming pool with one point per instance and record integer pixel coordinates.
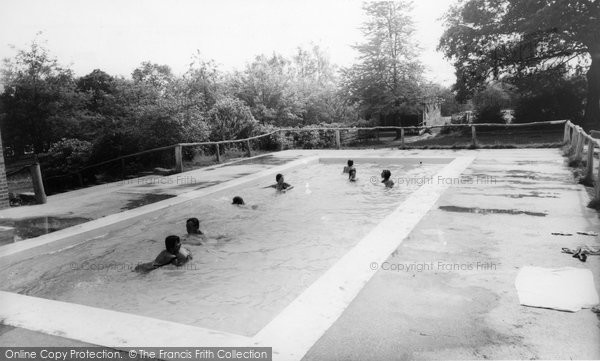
(267, 257)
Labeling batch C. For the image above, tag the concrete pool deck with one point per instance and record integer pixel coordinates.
(502, 220)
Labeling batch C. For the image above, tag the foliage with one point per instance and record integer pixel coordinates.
(506, 39)
(40, 102)
(230, 118)
(388, 77)
(491, 113)
(559, 99)
(67, 155)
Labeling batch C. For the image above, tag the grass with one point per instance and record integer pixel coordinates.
(496, 139)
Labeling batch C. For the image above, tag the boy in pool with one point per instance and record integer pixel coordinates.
(352, 175)
(281, 185)
(386, 174)
(349, 167)
(173, 254)
(194, 235)
(239, 201)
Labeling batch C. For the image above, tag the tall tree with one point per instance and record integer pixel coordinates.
(503, 39)
(40, 100)
(387, 78)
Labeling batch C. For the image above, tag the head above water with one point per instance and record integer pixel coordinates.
(172, 244)
(386, 174)
(279, 178)
(192, 225)
(350, 162)
(237, 200)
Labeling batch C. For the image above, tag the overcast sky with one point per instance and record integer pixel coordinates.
(117, 35)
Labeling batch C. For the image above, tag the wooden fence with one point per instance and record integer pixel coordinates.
(576, 140)
(574, 136)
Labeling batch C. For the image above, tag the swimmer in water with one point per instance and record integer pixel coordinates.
(352, 175)
(173, 254)
(386, 174)
(194, 235)
(281, 185)
(239, 201)
(349, 167)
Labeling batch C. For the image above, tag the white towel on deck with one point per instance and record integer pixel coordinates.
(565, 289)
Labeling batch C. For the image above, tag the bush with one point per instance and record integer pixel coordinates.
(110, 146)
(66, 156)
(490, 114)
(231, 118)
(307, 139)
(275, 141)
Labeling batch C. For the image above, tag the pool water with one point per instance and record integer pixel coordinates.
(264, 257)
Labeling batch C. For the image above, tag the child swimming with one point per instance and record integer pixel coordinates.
(239, 201)
(352, 175)
(194, 235)
(173, 254)
(349, 167)
(281, 185)
(386, 174)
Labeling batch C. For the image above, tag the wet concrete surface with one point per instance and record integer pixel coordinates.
(451, 293)
(484, 211)
(145, 199)
(36, 226)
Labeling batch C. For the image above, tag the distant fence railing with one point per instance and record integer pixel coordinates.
(576, 139)
(336, 142)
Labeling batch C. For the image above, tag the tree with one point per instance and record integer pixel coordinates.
(386, 82)
(99, 85)
(266, 87)
(40, 101)
(505, 39)
(230, 118)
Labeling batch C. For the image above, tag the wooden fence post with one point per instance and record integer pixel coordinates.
(566, 136)
(473, 136)
(338, 143)
(589, 167)
(283, 139)
(402, 137)
(597, 186)
(574, 139)
(579, 146)
(38, 183)
(217, 152)
(248, 149)
(178, 159)
(377, 134)
(123, 168)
